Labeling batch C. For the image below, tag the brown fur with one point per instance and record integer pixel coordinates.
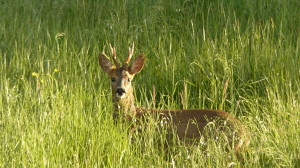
(183, 119)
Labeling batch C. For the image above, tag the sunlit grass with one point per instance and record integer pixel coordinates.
(238, 56)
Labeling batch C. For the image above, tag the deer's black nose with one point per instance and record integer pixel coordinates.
(120, 91)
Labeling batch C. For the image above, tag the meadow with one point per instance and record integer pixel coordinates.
(239, 56)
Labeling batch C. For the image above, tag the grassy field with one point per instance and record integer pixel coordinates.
(55, 105)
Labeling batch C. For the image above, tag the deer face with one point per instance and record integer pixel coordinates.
(120, 82)
(121, 77)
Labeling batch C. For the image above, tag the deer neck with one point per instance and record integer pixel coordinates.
(125, 106)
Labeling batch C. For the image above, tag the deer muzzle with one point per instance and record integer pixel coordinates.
(120, 92)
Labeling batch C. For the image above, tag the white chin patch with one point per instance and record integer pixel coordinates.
(120, 96)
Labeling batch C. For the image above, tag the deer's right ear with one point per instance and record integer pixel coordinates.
(105, 63)
(137, 64)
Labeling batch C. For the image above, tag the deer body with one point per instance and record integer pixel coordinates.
(189, 124)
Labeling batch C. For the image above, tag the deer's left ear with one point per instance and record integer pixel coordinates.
(105, 63)
(137, 65)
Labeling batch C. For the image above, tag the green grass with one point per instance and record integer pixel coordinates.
(64, 118)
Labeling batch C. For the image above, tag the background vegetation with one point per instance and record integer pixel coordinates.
(239, 56)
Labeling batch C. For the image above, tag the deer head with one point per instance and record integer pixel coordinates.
(121, 78)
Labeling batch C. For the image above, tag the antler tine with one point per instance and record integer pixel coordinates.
(130, 54)
(114, 55)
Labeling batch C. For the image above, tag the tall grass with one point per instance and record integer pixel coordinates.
(239, 56)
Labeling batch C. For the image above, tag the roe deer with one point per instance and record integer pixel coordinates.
(189, 124)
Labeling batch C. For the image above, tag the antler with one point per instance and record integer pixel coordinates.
(114, 55)
(130, 53)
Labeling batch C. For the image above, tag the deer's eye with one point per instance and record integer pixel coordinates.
(113, 79)
(128, 79)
